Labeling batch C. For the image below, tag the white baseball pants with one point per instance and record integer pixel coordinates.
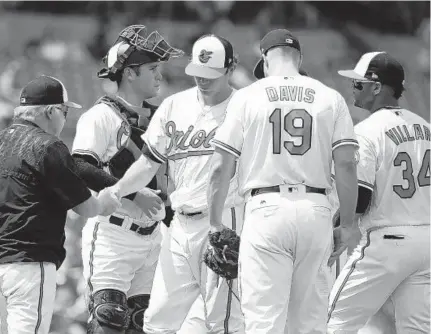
(195, 319)
(390, 263)
(284, 276)
(29, 292)
(116, 258)
(181, 276)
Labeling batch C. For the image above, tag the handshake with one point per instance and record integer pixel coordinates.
(147, 200)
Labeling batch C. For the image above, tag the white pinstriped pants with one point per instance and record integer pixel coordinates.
(390, 264)
(28, 289)
(181, 276)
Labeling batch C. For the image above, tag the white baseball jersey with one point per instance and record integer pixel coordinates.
(101, 132)
(179, 134)
(284, 129)
(395, 164)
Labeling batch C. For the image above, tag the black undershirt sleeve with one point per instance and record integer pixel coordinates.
(59, 170)
(364, 199)
(95, 178)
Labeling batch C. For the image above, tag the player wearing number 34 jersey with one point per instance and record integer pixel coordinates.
(392, 262)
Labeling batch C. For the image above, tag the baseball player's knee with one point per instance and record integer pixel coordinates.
(137, 306)
(109, 313)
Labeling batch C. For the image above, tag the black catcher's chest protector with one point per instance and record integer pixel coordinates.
(131, 149)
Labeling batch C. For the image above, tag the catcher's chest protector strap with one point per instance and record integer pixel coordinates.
(129, 141)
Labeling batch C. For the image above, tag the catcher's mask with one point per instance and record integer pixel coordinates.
(134, 47)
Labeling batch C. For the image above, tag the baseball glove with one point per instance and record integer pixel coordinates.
(221, 255)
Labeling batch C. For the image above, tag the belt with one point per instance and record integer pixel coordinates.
(191, 214)
(276, 189)
(134, 227)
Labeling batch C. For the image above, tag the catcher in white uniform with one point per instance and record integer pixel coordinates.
(284, 130)
(392, 261)
(180, 134)
(120, 252)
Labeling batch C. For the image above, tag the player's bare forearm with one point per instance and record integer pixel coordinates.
(222, 169)
(136, 177)
(346, 181)
(356, 235)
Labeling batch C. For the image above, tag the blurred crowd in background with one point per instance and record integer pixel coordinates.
(68, 40)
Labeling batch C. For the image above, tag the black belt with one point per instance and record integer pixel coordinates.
(276, 189)
(134, 227)
(191, 214)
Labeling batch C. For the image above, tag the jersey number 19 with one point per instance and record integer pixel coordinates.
(302, 129)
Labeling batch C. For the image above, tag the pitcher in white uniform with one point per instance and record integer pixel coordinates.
(283, 132)
(392, 261)
(179, 134)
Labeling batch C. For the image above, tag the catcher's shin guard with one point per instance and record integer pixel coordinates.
(137, 306)
(109, 313)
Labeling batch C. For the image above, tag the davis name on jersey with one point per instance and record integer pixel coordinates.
(290, 93)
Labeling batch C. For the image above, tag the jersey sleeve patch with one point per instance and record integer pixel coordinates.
(366, 185)
(154, 152)
(345, 142)
(226, 147)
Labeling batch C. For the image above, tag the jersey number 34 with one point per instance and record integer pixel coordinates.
(423, 175)
(302, 128)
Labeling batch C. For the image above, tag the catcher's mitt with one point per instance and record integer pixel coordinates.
(221, 255)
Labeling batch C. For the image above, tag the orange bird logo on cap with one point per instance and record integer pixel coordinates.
(204, 56)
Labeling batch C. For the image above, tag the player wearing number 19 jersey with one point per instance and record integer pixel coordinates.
(392, 262)
(284, 131)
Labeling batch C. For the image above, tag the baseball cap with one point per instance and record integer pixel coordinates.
(377, 66)
(45, 90)
(277, 37)
(211, 57)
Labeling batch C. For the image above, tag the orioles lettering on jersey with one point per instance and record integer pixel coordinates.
(179, 139)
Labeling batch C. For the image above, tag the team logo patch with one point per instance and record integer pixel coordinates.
(205, 56)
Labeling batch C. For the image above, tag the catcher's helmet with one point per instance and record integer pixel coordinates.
(135, 46)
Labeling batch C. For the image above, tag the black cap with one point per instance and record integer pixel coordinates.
(277, 37)
(377, 66)
(45, 90)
